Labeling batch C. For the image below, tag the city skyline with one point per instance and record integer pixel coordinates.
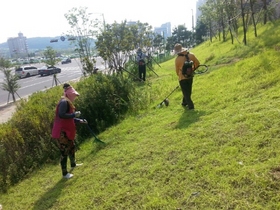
(47, 18)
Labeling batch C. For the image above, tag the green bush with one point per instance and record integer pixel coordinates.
(10, 154)
(26, 139)
(105, 100)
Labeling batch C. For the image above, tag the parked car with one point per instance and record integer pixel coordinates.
(26, 71)
(48, 70)
(65, 60)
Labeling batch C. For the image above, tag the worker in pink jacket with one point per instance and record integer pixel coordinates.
(64, 128)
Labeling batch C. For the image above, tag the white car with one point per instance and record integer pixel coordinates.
(26, 71)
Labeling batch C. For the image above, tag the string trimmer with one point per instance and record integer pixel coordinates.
(95, 137)
(166, 101)
(199, 70)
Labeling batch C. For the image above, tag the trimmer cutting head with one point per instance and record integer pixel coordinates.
(166, 102)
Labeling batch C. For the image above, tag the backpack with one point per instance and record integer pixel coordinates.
(187, 69)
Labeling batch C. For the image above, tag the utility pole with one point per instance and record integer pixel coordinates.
(103, 21)
(103, 28)
(192, 29)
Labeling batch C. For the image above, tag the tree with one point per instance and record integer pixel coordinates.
(218, 15)
(182, 35)
(170, 43)
(253, 11)
(10, 83)
(119, 41)
(201, 32)
(51, 60)
(115, 44)
(157, 41)
(50, 55)
(232, 19)
(242, 8)
(83, 31)
(142, 35)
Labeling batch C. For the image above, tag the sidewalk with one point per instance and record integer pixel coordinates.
(6, 112)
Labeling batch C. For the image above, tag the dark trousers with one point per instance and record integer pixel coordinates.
(142, 72)
(186, 87)
(67, 149)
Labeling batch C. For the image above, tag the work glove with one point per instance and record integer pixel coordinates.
(84, 121)
(77, 114)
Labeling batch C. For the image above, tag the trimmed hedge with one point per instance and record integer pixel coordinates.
(26, 143)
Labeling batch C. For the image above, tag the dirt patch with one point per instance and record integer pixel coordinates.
(275, 173)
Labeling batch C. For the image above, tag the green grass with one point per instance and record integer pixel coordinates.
(222, 155)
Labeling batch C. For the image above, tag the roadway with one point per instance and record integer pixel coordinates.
(70, 71)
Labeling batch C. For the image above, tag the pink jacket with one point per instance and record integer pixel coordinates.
(66, 125)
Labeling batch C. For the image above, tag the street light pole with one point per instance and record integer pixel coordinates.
(104, 28)
(192, 21)
(192, 28)
(103, 21)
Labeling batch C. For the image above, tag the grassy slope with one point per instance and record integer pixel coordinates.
(223, 155)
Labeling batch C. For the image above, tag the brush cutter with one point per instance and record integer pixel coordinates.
(166, 101)
(95, 137)
(202, 68)
(199, 70)
(135, 77)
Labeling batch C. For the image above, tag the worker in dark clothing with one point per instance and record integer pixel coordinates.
(140, 58)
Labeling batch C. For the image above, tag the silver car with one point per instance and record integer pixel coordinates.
(26, 71)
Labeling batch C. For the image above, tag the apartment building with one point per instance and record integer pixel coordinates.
(18, 47)
(164, 30)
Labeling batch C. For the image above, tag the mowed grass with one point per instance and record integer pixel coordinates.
(222, 155)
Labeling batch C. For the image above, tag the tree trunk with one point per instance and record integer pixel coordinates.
(210, 31)
(243, 22)
(265, 11)
(13, 95)
(230, 31)
(223, 27)
(253, 17)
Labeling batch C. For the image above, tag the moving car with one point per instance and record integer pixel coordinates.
(65, 60)
(26, 71)
(48, 70)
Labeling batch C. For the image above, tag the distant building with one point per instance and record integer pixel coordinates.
(164, 30)
(18, 46)
(198, 4)
(129, 23)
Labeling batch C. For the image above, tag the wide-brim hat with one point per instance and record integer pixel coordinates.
(71, 92)
(179, 49)
(66, 85)
(68, 89)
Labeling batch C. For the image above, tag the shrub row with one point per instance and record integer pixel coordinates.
(25, 142)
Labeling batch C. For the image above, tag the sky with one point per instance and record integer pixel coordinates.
(46, 18)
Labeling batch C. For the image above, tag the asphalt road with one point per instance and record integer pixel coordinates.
(70, 71)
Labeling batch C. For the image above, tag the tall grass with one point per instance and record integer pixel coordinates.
(222, 155)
